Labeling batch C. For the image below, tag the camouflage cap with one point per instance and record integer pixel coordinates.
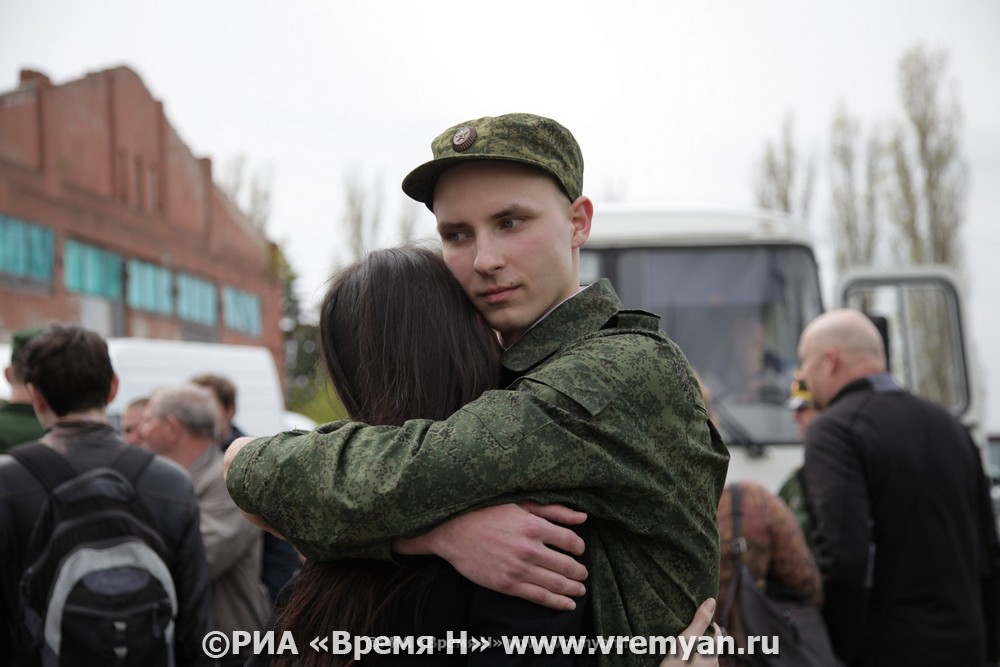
(517, 137)
(20, 339)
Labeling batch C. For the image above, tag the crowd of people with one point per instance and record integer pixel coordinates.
(524, 456)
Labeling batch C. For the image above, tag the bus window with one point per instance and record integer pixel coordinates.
(735, 311)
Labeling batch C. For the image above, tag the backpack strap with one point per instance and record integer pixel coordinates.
(51, 468)
(132, 462)
(739, 544)
(48, 466)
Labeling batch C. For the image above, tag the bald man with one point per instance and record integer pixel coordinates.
(903, 525)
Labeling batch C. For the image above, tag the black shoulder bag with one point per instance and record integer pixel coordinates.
(802, 639)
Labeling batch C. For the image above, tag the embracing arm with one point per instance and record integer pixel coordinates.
(512, 549)
(345, 488)
(622, 436)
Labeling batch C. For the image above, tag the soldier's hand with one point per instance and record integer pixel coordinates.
(512, 549)
(702, 619)
(231, 452)
(227, 461)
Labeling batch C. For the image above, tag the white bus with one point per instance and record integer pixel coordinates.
(735, 289)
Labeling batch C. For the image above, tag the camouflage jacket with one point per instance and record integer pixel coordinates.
(603, 413)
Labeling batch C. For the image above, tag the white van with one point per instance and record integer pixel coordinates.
(145, 364)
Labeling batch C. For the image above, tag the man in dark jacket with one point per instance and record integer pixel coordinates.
(903, 527)
(70, 381)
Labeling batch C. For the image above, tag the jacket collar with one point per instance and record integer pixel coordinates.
(581, 314)
(879, 382)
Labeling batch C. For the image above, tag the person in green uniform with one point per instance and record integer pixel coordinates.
(792, 490)
(599, 411)
(17, 418)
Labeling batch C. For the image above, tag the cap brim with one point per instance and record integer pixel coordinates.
(419, 184)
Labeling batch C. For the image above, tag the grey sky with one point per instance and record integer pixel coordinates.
(672, 101)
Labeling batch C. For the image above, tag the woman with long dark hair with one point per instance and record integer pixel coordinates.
(400, 341)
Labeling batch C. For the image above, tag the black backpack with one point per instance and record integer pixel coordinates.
(96, 589)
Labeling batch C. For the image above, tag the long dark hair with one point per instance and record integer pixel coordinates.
(400, 341)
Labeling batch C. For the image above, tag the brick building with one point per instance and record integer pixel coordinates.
(107, 219)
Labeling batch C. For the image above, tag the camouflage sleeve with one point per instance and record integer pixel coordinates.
(579, 431)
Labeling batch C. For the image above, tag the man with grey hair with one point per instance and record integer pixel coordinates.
(903, 528)
(181, 423)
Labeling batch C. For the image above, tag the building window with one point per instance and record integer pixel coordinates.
(88, 269)
(150, 287)
(242, 311)
(26, 250)
(197, 300)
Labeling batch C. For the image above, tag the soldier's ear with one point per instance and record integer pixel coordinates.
(581, 215)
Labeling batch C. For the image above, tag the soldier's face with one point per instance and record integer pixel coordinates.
(511, 238)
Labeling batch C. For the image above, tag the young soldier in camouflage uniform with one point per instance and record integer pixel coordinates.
(600, 412)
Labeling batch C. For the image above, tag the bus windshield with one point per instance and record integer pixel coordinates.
(735, 311)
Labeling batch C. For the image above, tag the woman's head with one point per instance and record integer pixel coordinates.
(401, 341)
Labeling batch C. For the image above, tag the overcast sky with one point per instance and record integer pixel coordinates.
(672, 101)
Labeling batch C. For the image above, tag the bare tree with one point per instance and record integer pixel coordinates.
(307, 388)
(778, 172)
(926, 202)
(407, 223)
(251, 193)
(364, 222)
(855, 205)
(362, 217)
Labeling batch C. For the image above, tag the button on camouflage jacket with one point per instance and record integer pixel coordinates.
(602, 412)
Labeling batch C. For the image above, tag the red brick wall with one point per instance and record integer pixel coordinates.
(85, 172)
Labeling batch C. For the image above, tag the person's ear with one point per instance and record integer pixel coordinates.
(831, 358)
(9, 374)
(173, 426)
(581, 215)
(114, 388)
(37, 399)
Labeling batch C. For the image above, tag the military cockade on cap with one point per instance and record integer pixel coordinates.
(523, 138)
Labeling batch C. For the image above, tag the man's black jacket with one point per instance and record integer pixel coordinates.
(904, 532)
